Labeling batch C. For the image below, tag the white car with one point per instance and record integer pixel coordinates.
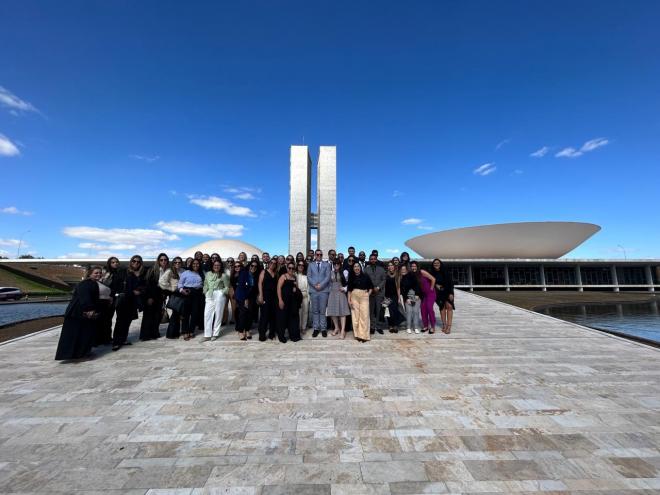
(7, 293)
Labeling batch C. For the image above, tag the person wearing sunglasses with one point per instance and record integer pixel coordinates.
(246, 295)
(267, 301)
(153, 299)
(129, 301)
(168, 284)
(216, 286)
(190, 287)
(289, 300)
(303, 287)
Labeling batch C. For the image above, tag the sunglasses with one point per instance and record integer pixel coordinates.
(290, 267)
(253, 266)
(136, 261)
(176, 262)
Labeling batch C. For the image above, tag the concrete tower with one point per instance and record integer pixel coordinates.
(301, 218)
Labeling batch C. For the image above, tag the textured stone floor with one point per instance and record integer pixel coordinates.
(511, 402)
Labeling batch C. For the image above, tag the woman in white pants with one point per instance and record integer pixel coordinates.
(216, 286)
(303, 287)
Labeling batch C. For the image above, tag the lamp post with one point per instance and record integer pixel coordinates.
(625, 256)
(18, 250)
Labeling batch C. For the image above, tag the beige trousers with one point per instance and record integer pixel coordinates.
(360, 313)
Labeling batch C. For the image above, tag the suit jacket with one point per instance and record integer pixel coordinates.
(316, 275)
(377, 275)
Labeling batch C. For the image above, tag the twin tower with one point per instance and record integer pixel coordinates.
(301, 218)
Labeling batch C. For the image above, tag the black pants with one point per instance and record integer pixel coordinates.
(243, 316)
(103, 333)
(174, 327)
(151, 316)
(192, 309)
(288, 319)
(268, 319)
(126, 313)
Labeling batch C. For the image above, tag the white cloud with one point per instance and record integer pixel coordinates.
(138, 237)
(245, 195)
(106, 247)
(541, 152)
(396, 193)
(568, 153)
(588, 146)
(214, 230)
(485, 169)
(391, 251)
(517, 171)
(412, 221)
(14, 103)
(592, 144)
(215, 203)
(424, 227)
(502, 143)
(148, 159)
(12, 210)
(7, 148)
(11, 242)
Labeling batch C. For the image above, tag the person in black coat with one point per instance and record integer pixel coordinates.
(129, 301)
(152, 299)
(79, 328)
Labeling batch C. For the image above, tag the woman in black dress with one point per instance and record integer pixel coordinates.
(393, 294)
(129, 301)
(79, 328)
(267, 301)
(289, 299)
(444, 294)
(152, 300)
(113, 278)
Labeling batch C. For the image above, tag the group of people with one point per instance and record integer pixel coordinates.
(283, 296)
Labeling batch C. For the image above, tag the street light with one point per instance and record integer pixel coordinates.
(18, 251)
(625, 256)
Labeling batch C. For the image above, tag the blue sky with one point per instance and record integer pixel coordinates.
(138, 126)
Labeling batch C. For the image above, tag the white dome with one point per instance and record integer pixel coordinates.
(224, 247)
(524, 240)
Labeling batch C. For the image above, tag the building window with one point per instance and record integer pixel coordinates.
(631, 275)
(596, 275)
(560, 276)
(488, 275)
(459, 274)
(524, 275)
(655, 274)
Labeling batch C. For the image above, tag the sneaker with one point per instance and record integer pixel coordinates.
(315, 334)
(206, 339)
(409, 331)
(213, 339)
(416, 330)
(380, 331)
(324, 333)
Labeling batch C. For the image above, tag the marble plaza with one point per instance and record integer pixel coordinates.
(510, 402)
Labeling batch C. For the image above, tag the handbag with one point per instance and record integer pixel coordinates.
(164, 316)
(176, 303)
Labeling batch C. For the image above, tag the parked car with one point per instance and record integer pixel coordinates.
(7, 293)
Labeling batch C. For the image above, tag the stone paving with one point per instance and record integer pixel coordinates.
(510, 402)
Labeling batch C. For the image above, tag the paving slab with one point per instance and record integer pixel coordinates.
(510, 402)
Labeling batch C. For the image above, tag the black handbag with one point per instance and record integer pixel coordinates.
(175, 302)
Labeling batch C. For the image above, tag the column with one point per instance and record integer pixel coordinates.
(578, 278)
(470, 280)
(506, 278)
(615, 279)
(544, 288)
(649, 278)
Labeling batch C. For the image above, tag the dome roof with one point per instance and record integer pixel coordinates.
(224, 247)
(524, 240)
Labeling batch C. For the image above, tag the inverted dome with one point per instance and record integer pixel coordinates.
(224, 247)
(536, 240)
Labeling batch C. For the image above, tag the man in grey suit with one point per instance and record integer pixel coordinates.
(318, 278)
(378, 276)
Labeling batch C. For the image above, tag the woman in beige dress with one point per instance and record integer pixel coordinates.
(303, 287)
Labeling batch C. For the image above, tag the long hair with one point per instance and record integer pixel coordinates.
(175, 270)
(417, 273)
(108, 264)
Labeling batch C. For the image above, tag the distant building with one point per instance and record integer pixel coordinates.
(301, 218)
